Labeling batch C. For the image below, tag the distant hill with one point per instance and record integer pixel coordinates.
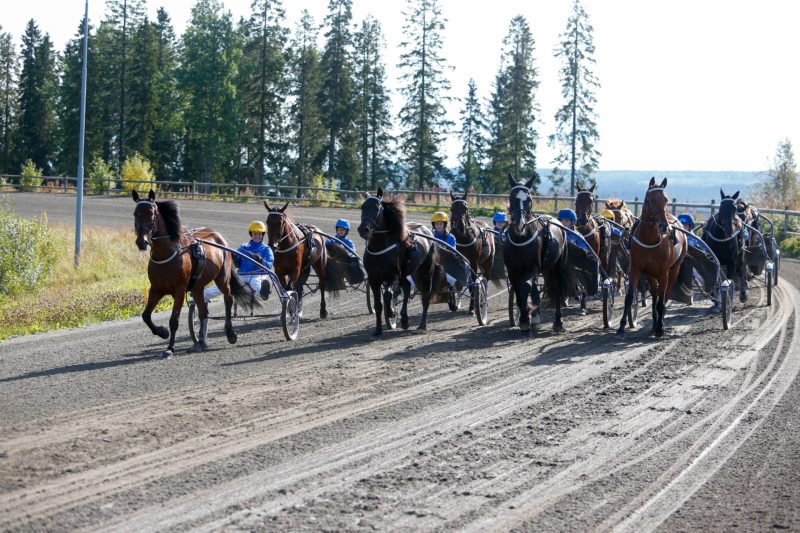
(686, 186)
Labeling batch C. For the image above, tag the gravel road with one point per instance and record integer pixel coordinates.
(460, 428)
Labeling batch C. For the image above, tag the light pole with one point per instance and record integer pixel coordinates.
(79, 203)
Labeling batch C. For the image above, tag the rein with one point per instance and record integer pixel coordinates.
(285, 235)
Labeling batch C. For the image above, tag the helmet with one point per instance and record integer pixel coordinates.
(342, 223)
(607, 213)
(256, 226)
(568, 214)
(686, 219)
(439, 216)
(499, 217)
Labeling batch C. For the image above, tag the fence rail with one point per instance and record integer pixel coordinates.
(305, 195)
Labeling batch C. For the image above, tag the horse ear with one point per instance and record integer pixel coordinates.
(452, 197)
(465, 195)
(652, 183)
(735, 195)
(512, 181)
(366, 195)
(151, 195)
(663, 184)
(267, 206)
(592, 188)
(282, 209)
(529, 183)
(135, 196)
(578, 186)
(379, 192)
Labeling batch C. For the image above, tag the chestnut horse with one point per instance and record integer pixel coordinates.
(474, 240)
(657, 252)
(170, 270)
(593, 231)
(297, 249)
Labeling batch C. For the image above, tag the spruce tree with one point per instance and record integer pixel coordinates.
(514, 110)
(423, 116)
(780, 187)
(142, 97)
(8, 100)
(372, 105)
(166, 139)
(473, 141)
(576, 127)
(305, 82)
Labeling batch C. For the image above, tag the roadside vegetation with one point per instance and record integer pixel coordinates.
(40, 288)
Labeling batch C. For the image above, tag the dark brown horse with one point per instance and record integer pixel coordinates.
(297, 250)
(474, 239)
(592, 230)
(619, 260)
(657, 252)
(170, 270)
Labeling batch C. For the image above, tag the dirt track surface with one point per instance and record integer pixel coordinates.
(462, 427)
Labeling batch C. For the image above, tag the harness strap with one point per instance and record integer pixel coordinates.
(385, 250)
(178, 250)
(643, 245)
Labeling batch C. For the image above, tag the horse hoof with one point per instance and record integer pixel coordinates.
(583, 312)
(166, 354)
(162, 332)
(404, 323)
(323, 314)
(422, 327)
(232, 338)
(524, 326)
(743, 298)
(659, 333)
(558, 328)
(198, 347)
(620, 335)
(376, 335)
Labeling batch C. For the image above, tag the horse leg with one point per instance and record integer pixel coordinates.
(202, 316)
(523, 292)
(472, 294)
(558, 325)
(177, 304)
(633, 285)
(318, 268)
(377, 302)
(583, 304)
(406, 286)
(661, 307)
(153, 297)
(654, 291)
(228, 297)
(426, 301)
(743, 277)
(536, 302)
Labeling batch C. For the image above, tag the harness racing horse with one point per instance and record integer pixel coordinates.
(591, 229)
(724, 234)
(297, 250)
(618, 256)
(657, 252)
(390, 255)
(174, 271)
(474, 240)
(533, 246)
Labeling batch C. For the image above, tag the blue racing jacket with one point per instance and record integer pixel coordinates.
(342, 240)
(260, 252)
(446, 237)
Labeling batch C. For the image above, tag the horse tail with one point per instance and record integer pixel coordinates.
(243, 294)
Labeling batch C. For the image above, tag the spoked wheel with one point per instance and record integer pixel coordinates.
(769, 276)
(608, 306)
(481, 302)
(633, 316)
(726, 307)
(391, 301)
(194, 322)
(369, 301)
(776, 266)
(290, 316)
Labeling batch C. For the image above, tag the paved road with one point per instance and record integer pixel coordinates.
(463, 427)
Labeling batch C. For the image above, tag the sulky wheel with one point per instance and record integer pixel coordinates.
(769, 288)
(481, 301)
(391, 300)
(726, 307)
(608, 306)
(633, 316)
(369, 300)
(290, 316)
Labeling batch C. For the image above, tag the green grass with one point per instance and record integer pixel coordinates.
(109, 285)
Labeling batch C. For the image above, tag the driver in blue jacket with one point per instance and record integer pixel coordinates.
(567, 217)
(342, 229)
(439, 223)
(251, 273)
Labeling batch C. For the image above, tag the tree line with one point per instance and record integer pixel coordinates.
(253, 101)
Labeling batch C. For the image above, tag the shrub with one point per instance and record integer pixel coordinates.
(137, 174)
(790, 246)
(31, 176)
(100, 176)
(321, 198)
(28, 251)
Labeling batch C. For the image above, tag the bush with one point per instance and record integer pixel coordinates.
(31, 176)
(321, 198)
(790, 246)
(137, 174)
(100, 176)
(28, 251)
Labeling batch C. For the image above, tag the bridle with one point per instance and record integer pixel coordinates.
(652, 222)
(373, 227)
(284, 235)
(466, 226)
(149, 227)
(716, 223)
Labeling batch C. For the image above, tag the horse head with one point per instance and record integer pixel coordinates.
(726, 218)
(275, 220)
(145, 218)
(520, 202)
(459, 213)
(654, 209)
(371, 211)
(584, 204)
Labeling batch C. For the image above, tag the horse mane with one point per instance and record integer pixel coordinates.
(394, 215)
(171, 214)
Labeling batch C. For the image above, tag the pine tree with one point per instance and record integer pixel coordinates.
(305, 82)
(263, 90)
(425, 86)
(780, 187)
(207, 78)
(105, 76)
(576, 127)
(514, 110)
(8, 100)
(37, 90)
(472, 135)
(142, 78)
(372, 105)
(336, 94)
(166, 140)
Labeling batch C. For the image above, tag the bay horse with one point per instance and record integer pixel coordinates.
(170, 270)
(724, 234)
(657, 252)
(533, 246)
(391, 255)
(474, 240)
(297, 250)
(593, 231)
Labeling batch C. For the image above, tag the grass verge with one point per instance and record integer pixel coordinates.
(109, 285)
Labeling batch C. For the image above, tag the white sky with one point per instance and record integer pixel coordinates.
(686, 84)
